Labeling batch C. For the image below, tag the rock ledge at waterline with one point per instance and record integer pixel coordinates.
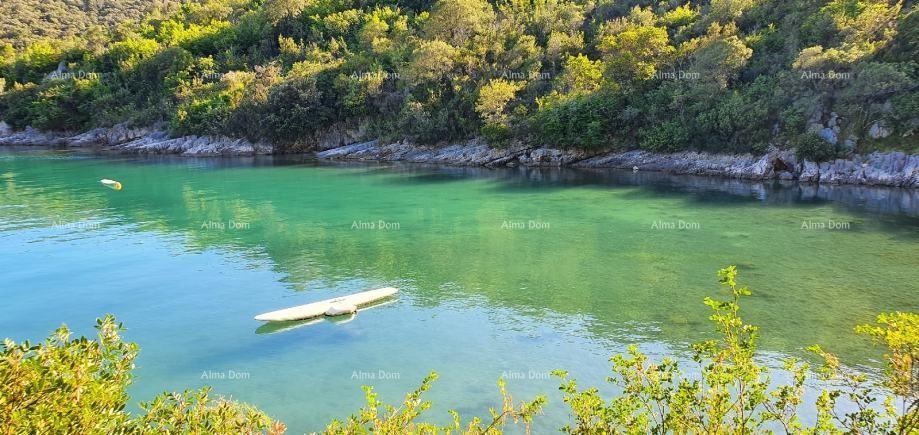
(894, 169)
(145, 140)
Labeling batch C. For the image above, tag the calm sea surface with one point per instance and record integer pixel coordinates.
(503, 273)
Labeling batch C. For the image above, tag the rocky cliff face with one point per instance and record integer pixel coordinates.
(876, 169)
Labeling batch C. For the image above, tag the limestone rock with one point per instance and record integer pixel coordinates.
(878, 130)
(810, 171)
(829, 135)
(888, 169)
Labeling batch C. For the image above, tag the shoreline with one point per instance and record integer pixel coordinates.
(890, 169)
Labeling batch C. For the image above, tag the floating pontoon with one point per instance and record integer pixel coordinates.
(329, 307)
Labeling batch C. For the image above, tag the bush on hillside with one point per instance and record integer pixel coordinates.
(811, 147)
(667, 137)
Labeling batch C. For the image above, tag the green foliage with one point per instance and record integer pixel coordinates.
(581, 121)
(379, 418)
(667, 137)
(209, 108)
(62, 104)
(811, 147)
(431, 61)
(15, 104)
(681, 16)
(734, 393)
(899, 332)
(66, 104)
(26, 21)
(633, 47)
(581, 75)
(493, 99)
(67, 385)
(455, 21)
(295, 109)
(197, 411)
(124, 55)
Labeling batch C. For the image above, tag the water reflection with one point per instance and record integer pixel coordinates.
(600, 263)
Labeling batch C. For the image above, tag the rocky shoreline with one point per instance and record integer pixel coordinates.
(894, 169)
(145, 140)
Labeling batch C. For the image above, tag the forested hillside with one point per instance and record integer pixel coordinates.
(828, 77)
(26, 21)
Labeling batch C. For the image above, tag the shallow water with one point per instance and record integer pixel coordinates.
(507, 273)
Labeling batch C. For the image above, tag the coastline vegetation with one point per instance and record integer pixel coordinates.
(825, 76)
(78, 385)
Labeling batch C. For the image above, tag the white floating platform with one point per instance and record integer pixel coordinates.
(334, 306)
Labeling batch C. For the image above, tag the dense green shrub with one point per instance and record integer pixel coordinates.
(15, 105)
(67, 385)
(441, 116)
(793, 119)
(667, 137)
(202, 115)
(295, 109)
(588, 121)
(811, 147)
(156, 78)
(66, 104)
(497, 134)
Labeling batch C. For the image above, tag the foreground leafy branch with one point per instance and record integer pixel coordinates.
(379, 418)
(734, 393)
(66, 385)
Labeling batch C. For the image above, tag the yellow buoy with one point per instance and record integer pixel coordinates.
(111, 183)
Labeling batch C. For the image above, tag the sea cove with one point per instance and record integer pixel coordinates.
(477, 301)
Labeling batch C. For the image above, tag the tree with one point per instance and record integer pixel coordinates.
(580, 75)
(633, 47)
(455, 21)
(491, 106)
(720, 57)
(863, 27)
(431, 61)
(493, 98)
(280, 10)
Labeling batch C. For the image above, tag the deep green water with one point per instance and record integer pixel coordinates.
(191, 249)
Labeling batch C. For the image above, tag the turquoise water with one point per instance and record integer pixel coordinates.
(503, 273)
